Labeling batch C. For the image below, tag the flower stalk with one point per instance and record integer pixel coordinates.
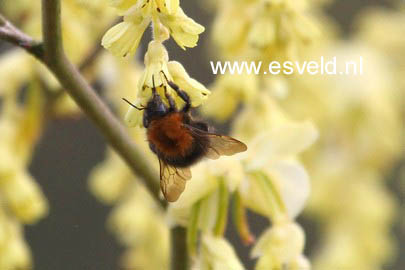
(179, 256)
(192, 230)
(239, 216)
(222, 215)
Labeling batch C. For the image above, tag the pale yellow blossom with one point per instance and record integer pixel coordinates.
(139, 225)
(230, 91)
(184, 30)
(279, 246)
(123, 38)
(157, 67)
(110, 180)
(14, 254)
(24, 197)
(11, 80)
(217, 254)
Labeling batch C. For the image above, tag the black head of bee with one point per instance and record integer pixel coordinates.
(154, 109)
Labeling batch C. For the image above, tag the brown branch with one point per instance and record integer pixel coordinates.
(70, 78)
(51, 53)
(10, 33)
(179, 255)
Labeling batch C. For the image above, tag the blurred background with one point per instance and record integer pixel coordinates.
(74, 235)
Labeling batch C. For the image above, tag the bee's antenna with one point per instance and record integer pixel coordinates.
(164, 76)
(153, 83)
(138, 108)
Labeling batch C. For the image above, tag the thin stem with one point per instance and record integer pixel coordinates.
(179, 258)
(10, 33)
(223, 204)
(51, 31)
(192, 229)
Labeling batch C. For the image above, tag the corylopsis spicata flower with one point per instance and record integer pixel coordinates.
(157, 67)
(123, 39)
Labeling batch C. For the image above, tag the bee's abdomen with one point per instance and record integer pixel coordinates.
(169, 139)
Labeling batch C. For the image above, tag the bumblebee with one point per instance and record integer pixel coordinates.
(179, 141)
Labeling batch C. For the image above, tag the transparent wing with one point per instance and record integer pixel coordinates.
(173, 180)
(220, 145)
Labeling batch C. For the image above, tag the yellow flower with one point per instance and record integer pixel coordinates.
(12, 80)
(300, 263)
(123, 39)
(268, 28)
(204, 184)
(212, 183)
(23, 196)
(110, 180)
(123, 5)
(229, 92)
(156, 62)
(139, 225)
(197, 92)
(15, 254)
(279, 246)
(277, 185)
(183, 29)
(217, 254)
(228, 32)
(168, 6)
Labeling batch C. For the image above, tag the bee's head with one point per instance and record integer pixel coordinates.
(156, 106)
(154, 109)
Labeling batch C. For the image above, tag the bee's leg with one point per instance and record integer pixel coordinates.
(183, 95)
(201, 125)
(169, 98)
(154, 86)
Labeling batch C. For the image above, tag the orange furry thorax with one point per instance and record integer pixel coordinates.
(169, 136)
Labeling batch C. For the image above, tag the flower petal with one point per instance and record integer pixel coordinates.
(218, 254)
(183, 29)
(133, 117)
(123, 39)
(282, 142)
(168, 6)
(197, 91)
(292, 180)
(282, 241)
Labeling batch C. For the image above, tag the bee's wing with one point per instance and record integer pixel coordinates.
(219, 145)
(173, 180)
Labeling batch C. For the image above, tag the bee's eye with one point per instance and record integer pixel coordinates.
(159, 107)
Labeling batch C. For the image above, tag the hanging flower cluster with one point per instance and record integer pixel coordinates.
(356, 115)
(22, 201)
(123, 39)
(270, 28)
(156, 62)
